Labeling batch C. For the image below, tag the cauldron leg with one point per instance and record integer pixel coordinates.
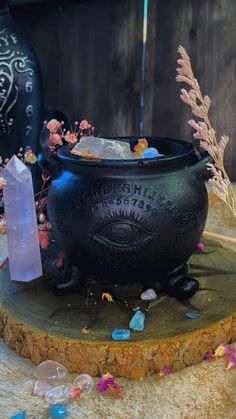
(67, 281)
(178, 284)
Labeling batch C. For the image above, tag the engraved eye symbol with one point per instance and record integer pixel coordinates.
(123, 234)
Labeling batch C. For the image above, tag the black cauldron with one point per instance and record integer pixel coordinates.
(130, 220)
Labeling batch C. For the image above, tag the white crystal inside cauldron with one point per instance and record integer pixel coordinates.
(103, 148)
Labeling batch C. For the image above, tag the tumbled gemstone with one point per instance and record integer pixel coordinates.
(58, 411)
(40, 388)
(150, 153)
(192, 315)
(120, 334)
(50, 372)
(20, 415)
(137, 321)
(149, 294)
(85, 383)
(60, 394)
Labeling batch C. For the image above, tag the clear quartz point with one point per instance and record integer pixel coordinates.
(22, 232)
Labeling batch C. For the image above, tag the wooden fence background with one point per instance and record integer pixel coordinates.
(91, 54)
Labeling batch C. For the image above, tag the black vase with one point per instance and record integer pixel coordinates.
(21, 92)
(130, 220)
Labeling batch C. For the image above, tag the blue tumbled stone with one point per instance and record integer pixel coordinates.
(192, 315)
(20, 415)
(120, 334)
(58, 411)
(150, 153)
(137, 321)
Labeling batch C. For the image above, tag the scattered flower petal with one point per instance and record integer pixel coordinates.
(163, 372)
(231, 362)
(209, 356)
(200, 247)
(85, 331)
(108, 297)
(107, 384)
(223, 350)
(2, 182)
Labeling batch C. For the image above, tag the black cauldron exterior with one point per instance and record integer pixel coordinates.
(130, 220)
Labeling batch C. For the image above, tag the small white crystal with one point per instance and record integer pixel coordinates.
(104, 148)
(60, 394)
(149, 294)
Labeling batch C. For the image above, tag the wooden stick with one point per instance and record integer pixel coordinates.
(216, 236)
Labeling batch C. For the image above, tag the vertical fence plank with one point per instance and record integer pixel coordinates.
(90, 54)
(100, 58)
(40, 25)
(207, 30)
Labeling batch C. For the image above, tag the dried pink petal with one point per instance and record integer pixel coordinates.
(231, 362)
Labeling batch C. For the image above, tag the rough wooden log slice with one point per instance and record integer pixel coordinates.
(39, 325)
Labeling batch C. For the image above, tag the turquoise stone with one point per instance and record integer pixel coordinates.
(20, 415)
(192, 315)
(58, 411)
(150, 153)
(137, 321)
(120, 334)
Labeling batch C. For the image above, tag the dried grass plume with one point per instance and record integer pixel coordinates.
(204, 132)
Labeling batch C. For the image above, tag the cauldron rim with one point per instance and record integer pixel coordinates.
(184, 151)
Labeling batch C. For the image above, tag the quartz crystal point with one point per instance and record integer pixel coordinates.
(22, 233)
(104, 149)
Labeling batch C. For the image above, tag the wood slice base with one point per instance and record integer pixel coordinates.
(39, 325)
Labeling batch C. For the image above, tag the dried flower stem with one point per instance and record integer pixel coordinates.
(221, 185)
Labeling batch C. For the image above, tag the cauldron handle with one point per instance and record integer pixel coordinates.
(50, 163)
(200, 167)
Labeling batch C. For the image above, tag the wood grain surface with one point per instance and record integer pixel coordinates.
(40, 326)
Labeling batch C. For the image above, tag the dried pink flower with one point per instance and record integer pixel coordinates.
(71, 137)
(55, 139)
(84, 125)
(30, 157)
(200, 105)
(53, 125)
